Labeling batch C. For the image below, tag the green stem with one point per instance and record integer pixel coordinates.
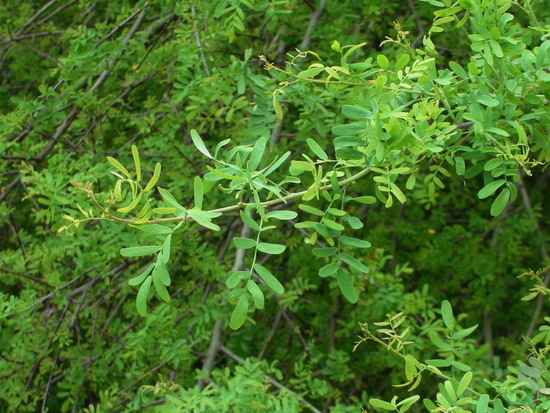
(242, 205)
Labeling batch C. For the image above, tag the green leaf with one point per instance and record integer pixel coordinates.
(239, 314)
(411, 182)
(310, 73)
(353, 222)
(460, 165)
(438, 342)
(490, 188)
(464, 333)
(236, 277)
(119, 166)
(306, 224)
(170, 200)
(162, 272)
(155, 229)
(402, 62)
(354, 242)
(244, 243)
(137, 162)
(202, 218)
(141, 298)
(269, 279)
(132, 205)
(382, 61)
(199, 144)
(273, 249)
(332, 224)
(354, 263)
(460, 366)
(406, 404)
(482, 403)
(166, 247)
(397, 192)
(381, 404)
(329, 269)
(160, 287)
(311, 210)
(257, 294)
(316, 149)
(464, 383)
(365, 199)
(257, 153)
(410, 367)
(351, 129)
(346, 286)
(438, 363)
(488, 101)
(248, 221)
(277, 163)
(429, 405)
(336, 212)
(282, 215)
(277, 107)
(447, 314)
(198, 191)
(348, 141)
(380, 83)
(324, 252)
(154, 179)
(139, 251)
(355, 113)
(226, 175)
(500, 202)
(140, 278)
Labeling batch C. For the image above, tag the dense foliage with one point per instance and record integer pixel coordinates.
(254, 205)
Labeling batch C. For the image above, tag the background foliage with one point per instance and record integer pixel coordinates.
(439, 109)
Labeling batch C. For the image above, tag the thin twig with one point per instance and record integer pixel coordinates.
(198, 40)
(312, 22)
(419, 25)
(242, 205)
(543, 252)
(36, 16)
(25, 275)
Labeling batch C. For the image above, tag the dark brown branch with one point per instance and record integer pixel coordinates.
(419, 25)
(312, 22)
(25, 275)
(31, 36)
(543, 252)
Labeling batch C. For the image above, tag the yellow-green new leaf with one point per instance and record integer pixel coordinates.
(137, 162)
(381, 404)
(119, 166)
(132, 205)
(154, 179)
(464, 383)
(405, 405)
